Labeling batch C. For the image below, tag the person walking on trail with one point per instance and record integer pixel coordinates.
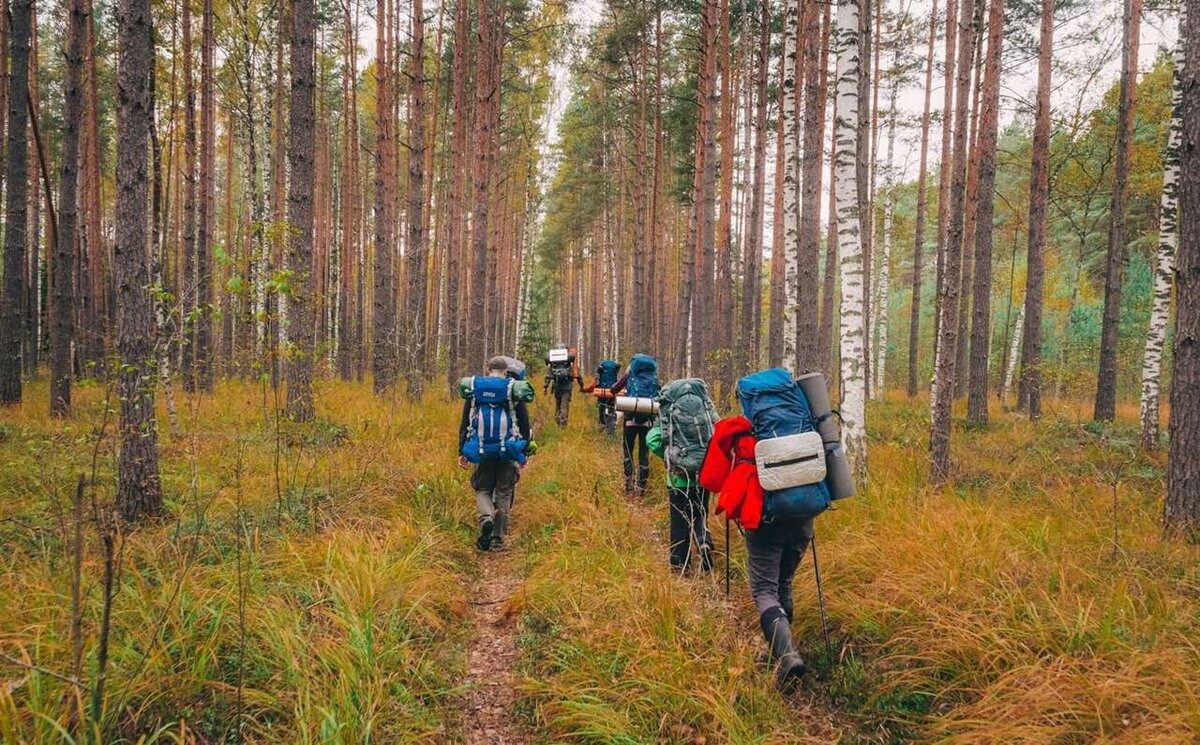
(778, 522)
(562, 373)
(494, 435)
(639, 381)
(601, 387)
(685, 425)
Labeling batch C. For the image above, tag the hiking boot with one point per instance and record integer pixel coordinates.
(497, 544)
(789, 668)
(706, 559)
(484, 542)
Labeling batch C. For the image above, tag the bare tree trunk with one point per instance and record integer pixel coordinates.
(945, 168)
(301, 119)
(139, 493)
(981, 329)
(188, 284)
(204, 233)
(62, 276)
(751, 289)
(417, 259)
(484, 93)
(16, 202)
(1181, 514)
(943, 389)
(384, 316)
(807, 294)
(846, 167)
(1114, 272)
(914, 323)
(1029, 393)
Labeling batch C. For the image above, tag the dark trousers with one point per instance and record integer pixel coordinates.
(689, 524)
(774, 551)
(562, 405)
(636, 434)
(607, 415)
(495, 483)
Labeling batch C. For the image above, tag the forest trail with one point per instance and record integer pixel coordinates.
(491, 678)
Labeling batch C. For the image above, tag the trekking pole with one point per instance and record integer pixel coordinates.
(726, 558)
(821, 597)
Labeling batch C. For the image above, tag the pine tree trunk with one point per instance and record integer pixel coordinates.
(300, 325)
(853, 308)
(914, 322)
(981, 329)
(778, 299)
(139, 492)
(943, 389)
(205, 217)
(945, 168)
(1029, 394)
(477, 318)
(752, 284)
(808, 299)
(383, 317)
(883, 285)
(1181, 515)
(63, 274)
(417, 259)
(187, 284)
(16, 202)
(1114, 270)
(1168, 244)
(460, 122)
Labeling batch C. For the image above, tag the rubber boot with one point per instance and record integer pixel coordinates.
(788, 666)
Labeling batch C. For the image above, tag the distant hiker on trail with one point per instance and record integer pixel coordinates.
(606, 377)
(769, 467)
(562, 372)
(640, 384)
(686, 418)
(494, 434)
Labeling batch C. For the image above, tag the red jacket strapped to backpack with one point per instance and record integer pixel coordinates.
(729, 468)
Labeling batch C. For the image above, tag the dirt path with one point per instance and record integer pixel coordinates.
(491, 678)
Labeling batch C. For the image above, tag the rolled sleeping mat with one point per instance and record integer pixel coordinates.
(636, 406)
(837, 472)
(817, 393)
(838, 477)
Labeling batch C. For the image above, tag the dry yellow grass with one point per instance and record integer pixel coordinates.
(998, 609)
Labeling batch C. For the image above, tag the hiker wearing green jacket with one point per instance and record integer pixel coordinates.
(688, 511)
(680, 438)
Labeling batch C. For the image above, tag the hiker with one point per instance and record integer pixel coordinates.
(562, 372)
(640, 381)
(685, 425)
(494, 434)
(774, 444)
(601, 387)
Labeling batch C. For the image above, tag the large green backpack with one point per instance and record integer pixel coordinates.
(687, 417)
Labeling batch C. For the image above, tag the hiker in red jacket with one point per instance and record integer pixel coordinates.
(773, 549)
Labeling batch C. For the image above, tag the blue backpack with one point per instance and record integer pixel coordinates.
(643, 377)
(777, 407)
(607, 374)
(493, 433)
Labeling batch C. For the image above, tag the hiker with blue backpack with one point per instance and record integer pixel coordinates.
(607, 374)
(773, 468)
(494, 435)
(640, 386)
(686, 419)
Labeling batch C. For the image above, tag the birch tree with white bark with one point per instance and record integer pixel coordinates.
(1164, 272)
(882, 285)
(850, 250)
(791, 184)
